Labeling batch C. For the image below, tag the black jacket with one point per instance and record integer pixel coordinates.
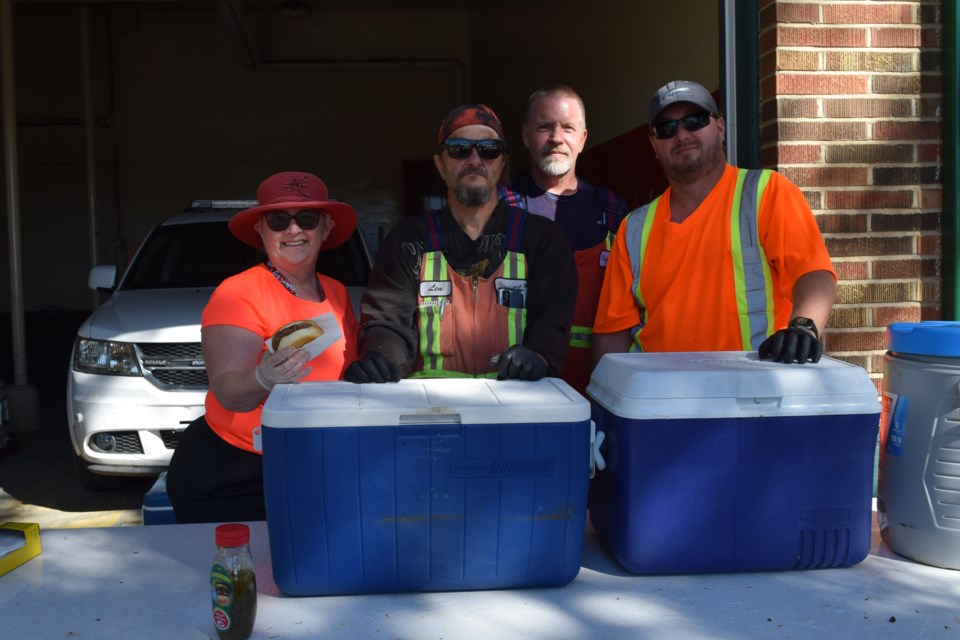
(388, 321)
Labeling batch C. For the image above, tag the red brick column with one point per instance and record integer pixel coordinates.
(850, 94)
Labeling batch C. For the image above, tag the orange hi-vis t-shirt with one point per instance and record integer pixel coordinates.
(256, 301)
(687, 278)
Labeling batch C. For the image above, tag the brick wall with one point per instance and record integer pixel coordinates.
(850, 93)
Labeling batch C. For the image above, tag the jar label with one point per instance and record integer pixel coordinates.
(221, 591)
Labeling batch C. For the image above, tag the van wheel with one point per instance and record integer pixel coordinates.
(96, 482)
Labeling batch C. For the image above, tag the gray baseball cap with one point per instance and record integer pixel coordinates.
(680, 91)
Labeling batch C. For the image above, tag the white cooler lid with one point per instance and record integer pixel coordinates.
(422, 401)
(727, 384)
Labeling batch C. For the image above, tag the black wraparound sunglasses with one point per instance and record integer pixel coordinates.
(280, 220)
(692, 122)
(460, 148)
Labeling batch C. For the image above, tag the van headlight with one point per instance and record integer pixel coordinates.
(105, 357)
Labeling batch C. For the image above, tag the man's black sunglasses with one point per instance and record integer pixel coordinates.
(692, 122)
(460, 148)
(280, 220)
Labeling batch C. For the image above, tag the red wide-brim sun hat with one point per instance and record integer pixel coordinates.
(294, 191)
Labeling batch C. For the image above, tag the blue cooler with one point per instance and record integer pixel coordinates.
(425, 485)
(156, 507)
(721, 462)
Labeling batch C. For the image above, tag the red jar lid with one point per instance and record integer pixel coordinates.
(233, 534)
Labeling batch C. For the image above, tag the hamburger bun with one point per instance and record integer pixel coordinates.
(296, 334)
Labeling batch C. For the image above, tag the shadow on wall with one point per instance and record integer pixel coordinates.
(50, 332)
(626, 165)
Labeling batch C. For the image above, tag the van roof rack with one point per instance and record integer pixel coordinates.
(198, 206)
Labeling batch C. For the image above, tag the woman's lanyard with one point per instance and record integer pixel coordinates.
(286, 283)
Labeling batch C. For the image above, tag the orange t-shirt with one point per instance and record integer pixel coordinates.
(688, 281)
(256, 301)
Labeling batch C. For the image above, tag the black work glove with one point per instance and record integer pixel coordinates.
(797, 343)
(373, 366)
(519, 363)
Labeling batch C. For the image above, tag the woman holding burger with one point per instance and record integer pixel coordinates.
(216, 474)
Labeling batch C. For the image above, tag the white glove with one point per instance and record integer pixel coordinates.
(283, 366)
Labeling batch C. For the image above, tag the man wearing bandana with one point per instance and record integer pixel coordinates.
(476, 289)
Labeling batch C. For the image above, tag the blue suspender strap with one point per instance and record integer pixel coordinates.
(510, 197)
(515, 223)
(434, 237)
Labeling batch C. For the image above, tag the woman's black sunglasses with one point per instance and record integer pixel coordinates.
(460, 148)
(280, 220)
(692, 122)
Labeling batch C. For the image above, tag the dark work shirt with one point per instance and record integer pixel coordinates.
(580, 215)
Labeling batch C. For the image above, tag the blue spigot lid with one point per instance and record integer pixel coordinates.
(929, 338)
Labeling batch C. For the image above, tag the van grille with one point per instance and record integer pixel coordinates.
(174, 366)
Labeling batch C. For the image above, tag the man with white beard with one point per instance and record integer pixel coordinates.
(554, 132)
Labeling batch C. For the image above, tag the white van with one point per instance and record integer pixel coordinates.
(137, 376)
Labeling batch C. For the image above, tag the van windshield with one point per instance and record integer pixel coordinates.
(189, 255)
(203, 254)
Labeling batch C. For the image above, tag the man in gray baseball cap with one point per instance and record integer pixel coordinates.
(681, 91)
(726, 259)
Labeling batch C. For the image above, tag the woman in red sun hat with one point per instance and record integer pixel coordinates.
(216, 473)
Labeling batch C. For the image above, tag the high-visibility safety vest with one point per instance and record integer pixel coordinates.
(465, 320)
(751, 271)
(591, 264)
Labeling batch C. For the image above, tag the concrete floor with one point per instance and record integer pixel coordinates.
(38, 482)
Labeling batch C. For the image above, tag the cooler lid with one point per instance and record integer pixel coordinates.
(929, 338)
(727, 384)
(420, 401)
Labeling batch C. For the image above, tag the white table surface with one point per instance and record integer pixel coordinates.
(153, 582)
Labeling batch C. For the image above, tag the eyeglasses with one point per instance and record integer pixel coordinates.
(280, 220)
(692, 122)
(460, 148)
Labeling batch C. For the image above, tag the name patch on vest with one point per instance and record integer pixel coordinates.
(432, 288)
(511, 293)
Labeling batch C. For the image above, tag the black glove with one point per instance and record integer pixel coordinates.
(797, 343)
(371, 367)
(519, 363)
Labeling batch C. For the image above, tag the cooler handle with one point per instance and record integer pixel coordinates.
(430, 418)
(761, 404)
(596, 458)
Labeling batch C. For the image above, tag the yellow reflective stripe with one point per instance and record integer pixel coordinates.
(736, 249)
(767, 278)
(435, 268)
(648, 218)
(515, 268)
(752, 279)
(636, 234)
(581, 337)
(644, 238)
